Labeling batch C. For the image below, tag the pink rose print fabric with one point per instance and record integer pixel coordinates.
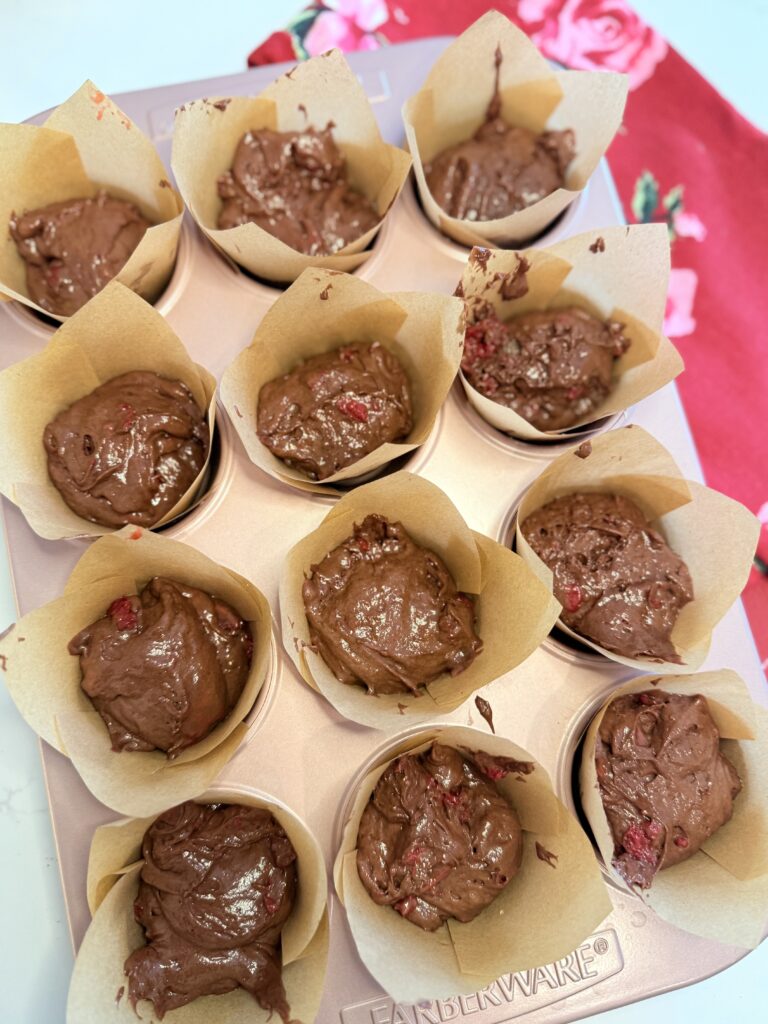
(683, 157)
(593, 34)
(347, 24)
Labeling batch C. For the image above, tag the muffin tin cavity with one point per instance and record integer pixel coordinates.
(214, 485)
(566, 774)
(558, 643)
(43, 326)
(531, 449)
(564, 224)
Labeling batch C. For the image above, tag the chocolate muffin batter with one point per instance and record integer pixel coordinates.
(294, 185)
(165, 666)
(128, 451)
(501, 169)
(437, 839)
(551, 368)
(218, 884)
(666, 786)
(334, 408)
(72, 249)
(386, 613)
(619, 583)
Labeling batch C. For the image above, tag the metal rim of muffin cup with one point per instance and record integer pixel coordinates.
(565, 777)
(214, 485)
(558, 228)
(531, 449)
(44, 326)
(557, 642)
(272, 289)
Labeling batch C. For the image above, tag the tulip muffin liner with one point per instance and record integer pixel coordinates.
(543, 914)
(721, 892)
(321, 90)
(88, 144)
(451, 106)
(323, 310)
(113, 875)
(714, 535)
(513, 608)
(116, 332)
(43, 678)
(616, 273)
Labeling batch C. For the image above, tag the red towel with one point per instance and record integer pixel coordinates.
(683, 156)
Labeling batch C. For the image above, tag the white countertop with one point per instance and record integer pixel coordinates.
(152, 44)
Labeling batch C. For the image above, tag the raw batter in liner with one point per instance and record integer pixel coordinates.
(665, 784)
(618, 581)
(438, 840)
(386, 613)
(74, 248)
(218, 883)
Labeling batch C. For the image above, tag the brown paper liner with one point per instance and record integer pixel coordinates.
(714, 535)
(721, 892)
(452, 104)
(114, 333)
(86, 144)
(113, 870)
(44, 679)
(323, 89)
(514, 611)
(541, 916)
(627, 281)
(323, 310)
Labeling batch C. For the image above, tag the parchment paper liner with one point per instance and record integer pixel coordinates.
(513, 609)
(44, 679)
(714, 535)
(452, 104)
(541, 916)
(322, 310)
(86, 144)
(626, 282)
(205, 138)
(721, 892)
(114, 333)
(113, 870)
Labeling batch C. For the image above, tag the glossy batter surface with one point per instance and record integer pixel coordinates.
(165, 666)
(501, 169)
(552, 368)
(72, 249)
(218, 884)
(334, 408)
(129, 450)
(386, 613)
(294, 185)
(618, 581)
(665, 784)
(437, 839)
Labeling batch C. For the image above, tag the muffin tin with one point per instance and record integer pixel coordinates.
(297, 747)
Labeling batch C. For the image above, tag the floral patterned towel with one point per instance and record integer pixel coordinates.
(684, 157)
